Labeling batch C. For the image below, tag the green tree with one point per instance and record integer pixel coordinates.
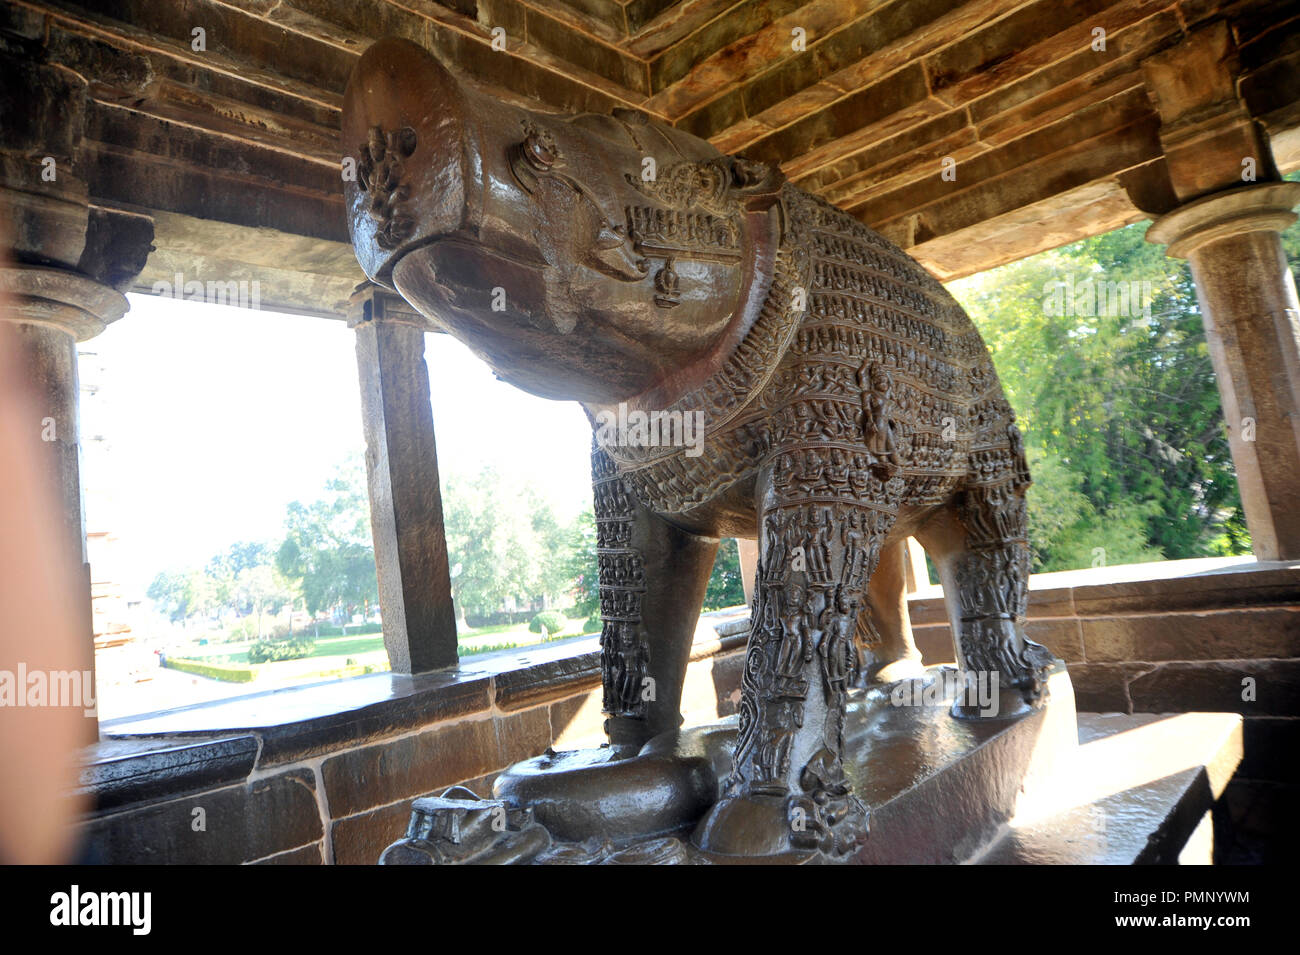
(328, 550)
(726, 586)
(580, 567)
(1117, 400)
(175, 595)
(504, 544)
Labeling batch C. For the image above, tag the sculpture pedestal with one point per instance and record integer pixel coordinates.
(938, 788)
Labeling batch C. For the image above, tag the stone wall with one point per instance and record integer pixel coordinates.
(338, 788)
(1180, 637)
(328, 774)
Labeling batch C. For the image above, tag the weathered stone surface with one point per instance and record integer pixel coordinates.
(1219, 686)
(120, 772)
(569, 46)
(242, 823)
(1257, 584)
(1205, 129)
(713, 691)
(416, 765)
(1242, 634)
(1138, 793)
(935, 644)
(578, 721)
(1103, 687)
(313, 854)
(405, 497)
(362, 838)
(298, 722)
(516, 689)
(1060, 635)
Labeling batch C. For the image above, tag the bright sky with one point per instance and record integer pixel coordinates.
(214, 418)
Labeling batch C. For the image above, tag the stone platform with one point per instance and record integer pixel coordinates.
(938, 789)
(1139, 792)
(1038, 788)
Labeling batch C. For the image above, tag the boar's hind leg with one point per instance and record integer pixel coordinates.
(982, 552)
(652, 581)
(884, 630)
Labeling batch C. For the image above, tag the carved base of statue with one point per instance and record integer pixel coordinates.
(921, 787)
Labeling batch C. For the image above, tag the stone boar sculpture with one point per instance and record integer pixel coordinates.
(756, 363)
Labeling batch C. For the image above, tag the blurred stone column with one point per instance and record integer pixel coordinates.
(49, 311)
(748, 553)
(918, 573)
(52, 310)
(1248, 301)
(402, 473)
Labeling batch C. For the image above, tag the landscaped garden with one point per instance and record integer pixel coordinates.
(354, 654)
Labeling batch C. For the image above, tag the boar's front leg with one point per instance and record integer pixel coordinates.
(788, 791)
(652, 581)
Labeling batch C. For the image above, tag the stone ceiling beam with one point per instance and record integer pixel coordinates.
(657, 25)
(293, 273)
(836, 64)
(884, 92)
(1096, 143)
(539, 56)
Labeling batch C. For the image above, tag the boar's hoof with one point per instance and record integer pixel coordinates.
(804, 827)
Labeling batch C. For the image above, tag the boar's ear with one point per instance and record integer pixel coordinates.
(756, 184)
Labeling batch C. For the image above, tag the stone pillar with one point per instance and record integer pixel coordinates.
(918, 574)
(53, 309)
(1252, 324)
(402, 471)
(748, 566)
(50, 310)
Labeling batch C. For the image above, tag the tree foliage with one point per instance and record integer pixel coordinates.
(328, 550)
(505, 546)
(726, 586)
(1117, 400)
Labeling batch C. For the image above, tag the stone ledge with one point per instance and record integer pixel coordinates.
(298, 722)
(120, 772)
(1140, 793)
(248, 821)
(162, 755)
(1172, 586)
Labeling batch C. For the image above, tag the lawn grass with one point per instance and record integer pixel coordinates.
(332, 654)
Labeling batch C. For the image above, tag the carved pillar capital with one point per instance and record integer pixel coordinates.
(372, 303)
(61, 299)
(1207, 133)
(1259, 207)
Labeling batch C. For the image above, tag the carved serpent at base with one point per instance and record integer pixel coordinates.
(755, 363)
